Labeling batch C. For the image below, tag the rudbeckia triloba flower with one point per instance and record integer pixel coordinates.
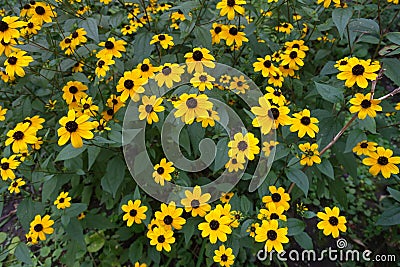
(162, 171)
(87, 107)
(8, 48)
(162, 238)
(9, 28)
(277, 79)
(364, 148)
(147, 70)
(66, 44)
(273, 212)
(327, 3)
(7, 166)
(243, 146)
(202, 80)
(34, 122)
(331, 222)
(30, 240)
(235, 164)
(265, 66)
(15, 185)
(39, 227)
(74, 128)
(3, 112)
(285, 27)
(364, 106)
(191, 106)
(216, 226)
(252, 229)
(232, 35)
(112, 47)
(63, 201)
(273, 236)
(358, 71)
(169, 216)
(275, 96)
(226, 197)
(310, 154)
(304, 124)
(196, 202)
(74, 92)
(148, 109)
(381, 160)
(15, 62)
(224, 256)
(293, 58)
(239, 84)
(134, 212)
(268, 147)
(230, 7)
(198, 58)
(268, 116)
(278, 196)
(78, 37)
(169, 74)
(20, 137)
(43, 13)
(210, 120)
(131, 85)
(164, 40)
(103, 65)
(216, 32)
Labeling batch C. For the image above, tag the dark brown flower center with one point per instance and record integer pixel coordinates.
(18, 135)
(224, 257)
(214, 225)
(293, 55)
(128, 84)
(217, 29)
(285, 25)
(296, 46)
(5, 166)
(110, 112)
(133, 212)
(195, 203)
(231, 3)
(383, 160)
(30, 25)
(275, 113)
(161, 37)
(267, 63)
(364, 145)
(366, 104)
(197, 55)
(242, 145)
(272, 235)
(234, 161)
(233, 31)
(358, 70)
(343, 63)
(67, 40)
(276, 197)
(166, 70)
(38, 227)
(15, 184)
(333, 221)
(168, 220)
(191, 102)
(109, 45)
(203, 78)
(144, 67)
(252, 229)
(114, 101)
(101, 63)
(86, 106)
(12, 60)
(160, 170)
(148, 108)
(305, 120)
(161, 239)
(40, 10)
(73, 89)
(71, 126)
(27, 6)
(277, 93)
(274, 216)
(75, 35)
(61, 200)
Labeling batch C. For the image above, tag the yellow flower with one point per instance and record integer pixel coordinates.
(87, 107)
(252, 229)
(147, 70)
(81, 216)
(63, 201)
(239, 84)
(364, 106)
(293, 58)
(265, 66)
(226, 197)
(230, 7)
(276, 80)
(196, 202)
(74, 128)
(7, 166)
(210, 120)
(169, 74)
(192, 106)
(285, 27)
(162, 171)
(20, 136)
(74, 92)
(327, 3)
(358, 71)
(304, 124)
(43, 13)
(331, 222)
(243, 146)
(268, 147)
(138, 264)
(9, 28)
(273, 212)
(15, 185)
(310, 155)
(78, 37)
(15, 63)
(273, 236)
(381, 160)
(234, 164)
(148, 109)
(161, 238)
(232, 35)
(34, 122)
(39, 227)
(3, 112)
(215, 226)
(30, 240)
(169, 216)
(224, 256)
(164, 40)
(112, 47)
(202, 80)
(216, 31)
(51, 104)
(269, 117)
(278, 197)
(198, 58)
(275, 96)
(131, 85)
(8, 48)
(103, 65)
(364, 148)
(134, 212)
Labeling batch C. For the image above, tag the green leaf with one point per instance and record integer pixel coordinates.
(98, 221)
(394, 37)
(295, 226)
(3, 237)
(142, 47)
(93, 152)
(75, 209)
(90, 25)
(299, 178)
(222, 154)
(189, 228)
(114, 176)
(27, 210)
(22, 253)
(304, 240)
(329, 93)
(308, 214)
(69, 152)
(326, 168)
(392, 66)
(367, 124)
(136, 250)
(203, 36)
(355, 136)
(49, 187)
(245, 204)
(341, 17)
(393, 192)
(75, 231)
(95, 242)
(391, 216)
